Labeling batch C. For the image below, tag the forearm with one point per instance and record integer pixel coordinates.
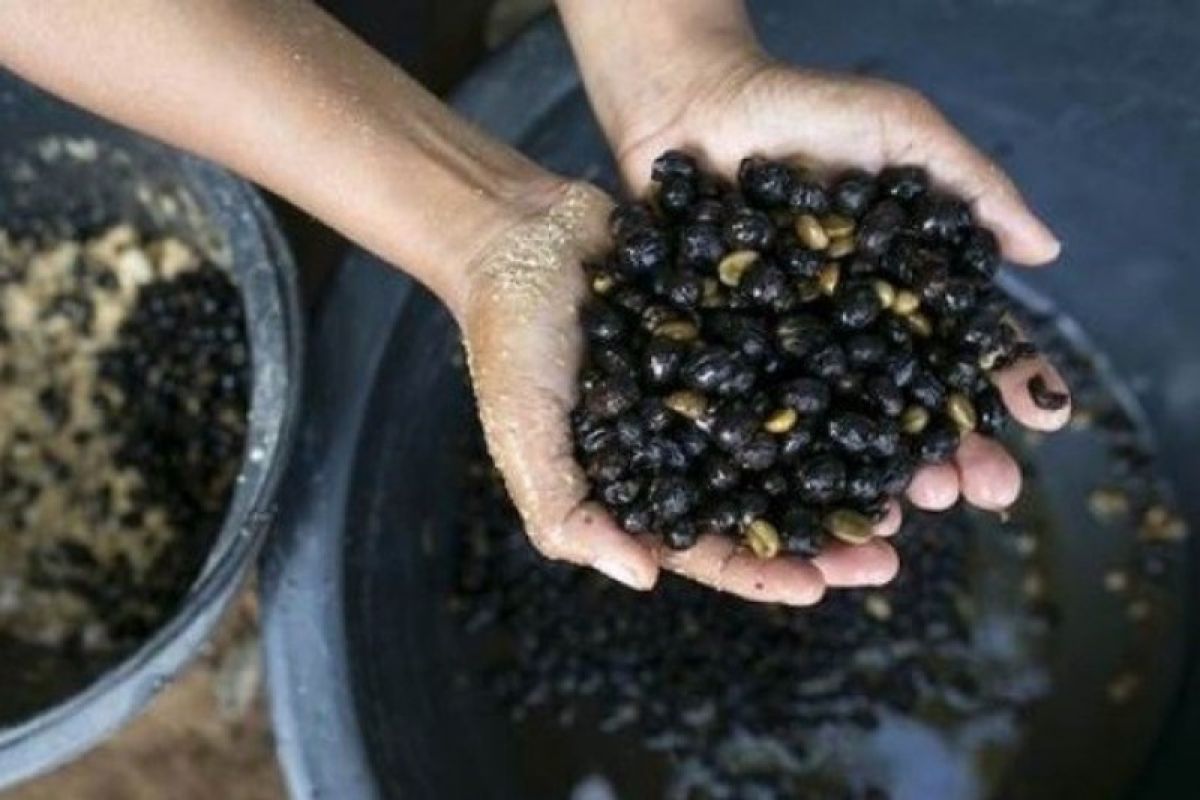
(278, 91)
(634, 53)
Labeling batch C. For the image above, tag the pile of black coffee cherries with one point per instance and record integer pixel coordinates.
(773, 360)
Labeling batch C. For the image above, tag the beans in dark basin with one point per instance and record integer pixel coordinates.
(771, 361)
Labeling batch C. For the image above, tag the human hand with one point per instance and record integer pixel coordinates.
(519, 314)
(694, 79)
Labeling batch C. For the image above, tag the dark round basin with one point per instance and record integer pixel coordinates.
(1090, 106)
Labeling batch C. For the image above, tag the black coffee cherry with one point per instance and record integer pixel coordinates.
(937, 443)
(856, 306)
(941, 218)
(747, 335)
(595, 439)
(707, 368)
(673, 163)
(620, 493)
(866, 350)
(662, 360)
(720, 516)
(611, 396)
(851, 432)
(821, 480)
(692, 440)
(636, 519)
(878, 227)
(701, 245)
(655, 415)
(643, 251)
(795, 444)
(614, 360)
(680, 534)
(758, 454)
(801, 532)
(719, 473)
(990, 410)
(798, 335)
(961, 372)
(980, 253)
(606, 465)
(766, 184)
(740, 382)
(708, 211)
(902, 367)
(734, 427)
(676, 195)
(774, 484)
(631, 429)
(886, 441)
(763, 283)
(884, 395)
(809, 197)
(807, 396)
(630, 298)
(627, 218)
(927, 390)
(797, 260)
(864, 484)
(897, 473)
(751, 505)
(601, 322)
(749, 229)
(828, 362)
(853, 193)
(904, 182)
(672, 496)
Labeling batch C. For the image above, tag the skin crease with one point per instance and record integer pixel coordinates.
(311, 113)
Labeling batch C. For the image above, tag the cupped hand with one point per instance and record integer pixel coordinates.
(519, 315)
(742, 103)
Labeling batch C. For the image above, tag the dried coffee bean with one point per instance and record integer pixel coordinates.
(759, 454)
(1043, 396)
(762, 538)
(849, 526)
(749, 229)
(821, 480)
(767, 184)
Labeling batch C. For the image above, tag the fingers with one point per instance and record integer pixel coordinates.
(954, 161)
(1013, 384)
(720, 563)
(988, 476)
(891, 521)
(871, 564)
(935, 487)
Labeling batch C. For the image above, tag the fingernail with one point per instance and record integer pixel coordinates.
(620, 572)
